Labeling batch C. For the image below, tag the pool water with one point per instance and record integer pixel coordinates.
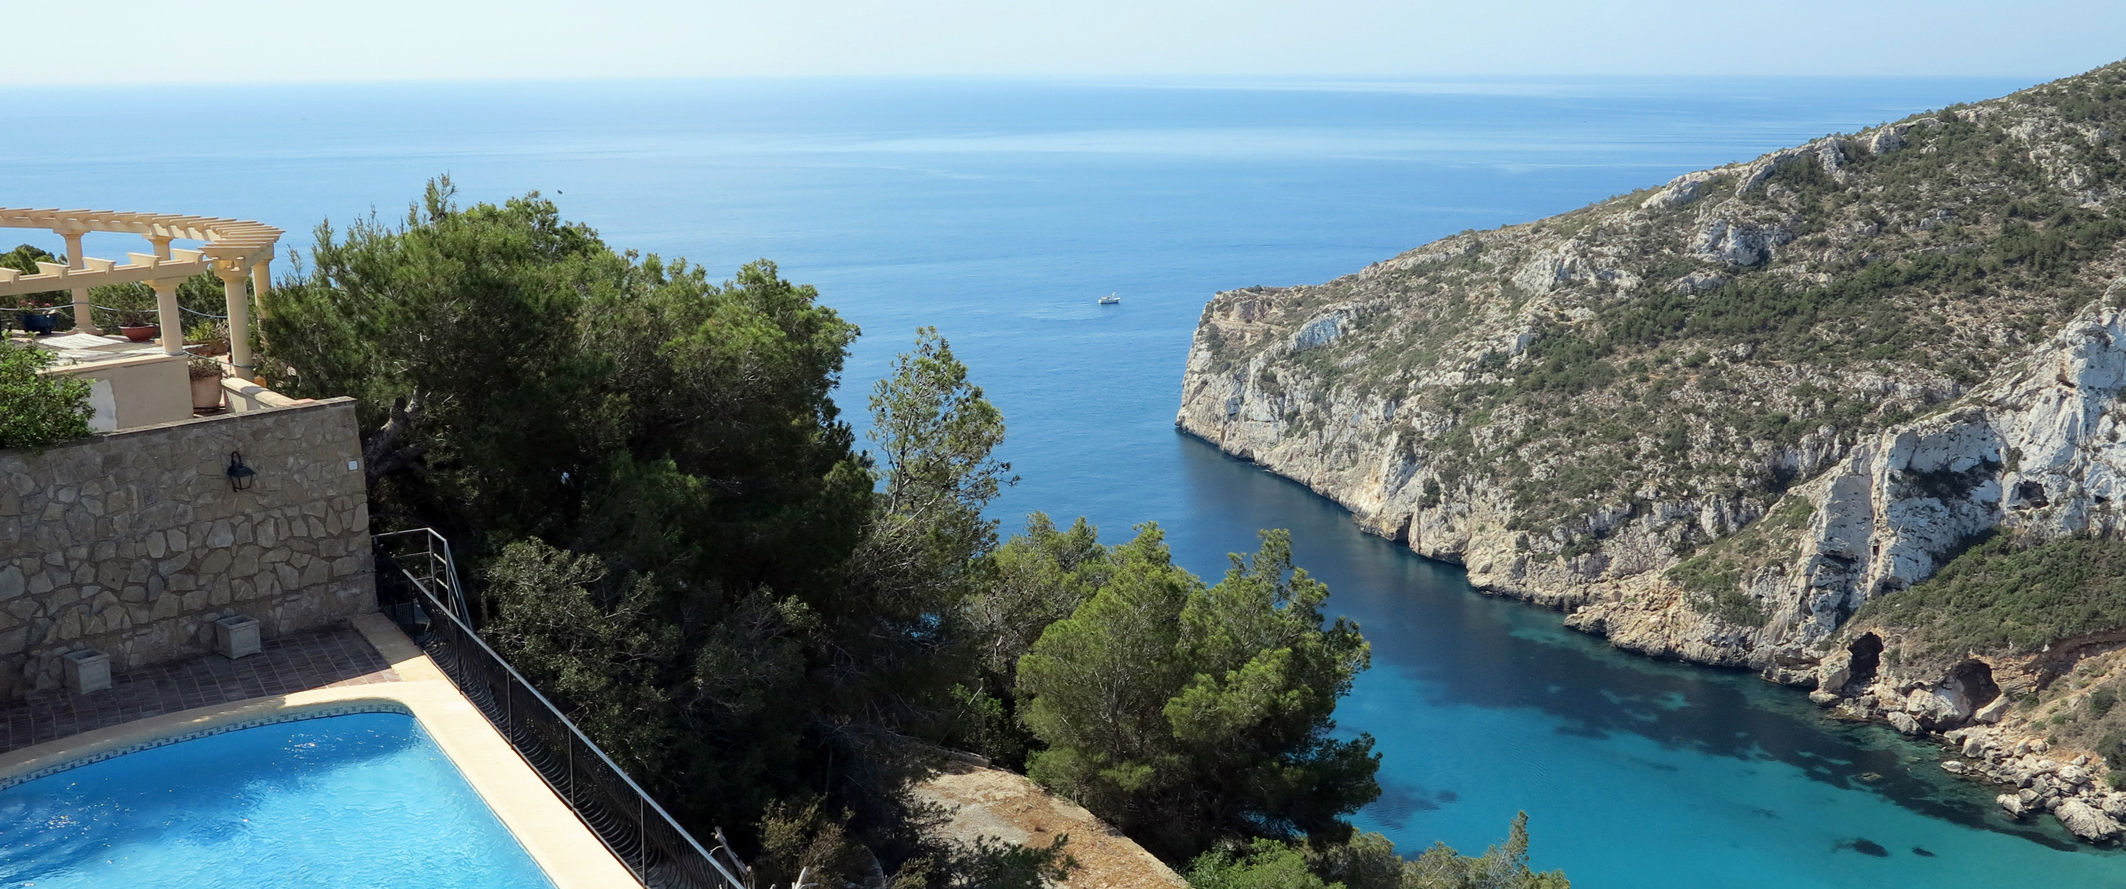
(360, 800)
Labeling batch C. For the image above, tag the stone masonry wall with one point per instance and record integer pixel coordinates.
(133, 543)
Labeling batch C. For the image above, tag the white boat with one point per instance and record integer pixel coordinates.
(1110, 299)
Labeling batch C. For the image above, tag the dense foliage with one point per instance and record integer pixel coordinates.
(676, 538)
(647, 471)
(2009, 595)
(1369, 862)
(1183, 713)
(37, 410)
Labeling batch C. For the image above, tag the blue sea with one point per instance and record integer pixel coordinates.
(1000, 211)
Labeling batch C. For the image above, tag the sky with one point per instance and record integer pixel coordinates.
(131, 41)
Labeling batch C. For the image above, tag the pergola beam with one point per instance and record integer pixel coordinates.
(235, 250)
(13, 283)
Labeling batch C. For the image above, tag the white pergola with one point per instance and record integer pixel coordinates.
(234, 250)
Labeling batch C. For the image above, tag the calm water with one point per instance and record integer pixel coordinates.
(1000, 211)
(358, 801)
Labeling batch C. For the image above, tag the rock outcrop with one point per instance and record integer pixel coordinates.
(982, 803)
(1716, 419)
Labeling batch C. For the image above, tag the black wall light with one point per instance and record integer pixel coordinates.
(240, 476)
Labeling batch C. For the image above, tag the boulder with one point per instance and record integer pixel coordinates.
(1679, 191)
(1905, 723)
(1954, 767)
(1886, 140)
(1740, 244)
(1697, 281)
(1992, 712)
(2086, 821)
(2012, 803)
(1933, 708)
(2114, 805)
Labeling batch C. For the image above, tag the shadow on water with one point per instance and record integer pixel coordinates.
(1399, 799)
(1452, 646)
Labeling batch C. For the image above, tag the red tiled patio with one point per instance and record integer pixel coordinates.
(322, 658)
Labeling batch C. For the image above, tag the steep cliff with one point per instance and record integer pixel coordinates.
(1719, 418)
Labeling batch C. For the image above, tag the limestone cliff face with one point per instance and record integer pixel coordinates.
(1714, 419)
(2037, 451)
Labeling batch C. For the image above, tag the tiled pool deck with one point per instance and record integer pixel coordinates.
(325, 658)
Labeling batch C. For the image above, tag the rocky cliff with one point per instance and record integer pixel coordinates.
(1719, 418)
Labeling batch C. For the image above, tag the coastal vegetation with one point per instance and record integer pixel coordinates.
(2009, 594)
(1370, 862)
(677, 537)
(38, 410)
(1184, 713)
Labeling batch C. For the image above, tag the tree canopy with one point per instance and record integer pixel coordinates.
(1183, 712)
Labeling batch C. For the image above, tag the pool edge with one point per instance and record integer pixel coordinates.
(557, 841)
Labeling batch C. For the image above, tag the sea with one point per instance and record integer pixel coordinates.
(1000, 211)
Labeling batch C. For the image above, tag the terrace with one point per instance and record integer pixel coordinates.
(137, 384)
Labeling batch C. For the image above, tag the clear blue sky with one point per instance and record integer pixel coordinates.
(131, 41)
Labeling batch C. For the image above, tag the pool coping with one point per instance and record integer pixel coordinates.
(571, 856)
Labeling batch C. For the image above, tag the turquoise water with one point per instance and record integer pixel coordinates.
(1000, 211)
(340, 802)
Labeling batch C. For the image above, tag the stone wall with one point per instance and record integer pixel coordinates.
(133, 543)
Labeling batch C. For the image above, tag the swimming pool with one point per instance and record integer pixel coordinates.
(355, 800)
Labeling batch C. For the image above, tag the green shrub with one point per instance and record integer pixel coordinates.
(38, 410)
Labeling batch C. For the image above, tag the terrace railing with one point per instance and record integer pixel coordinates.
(422, 556)
(417, 587)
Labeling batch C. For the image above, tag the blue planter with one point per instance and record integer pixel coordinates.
(39, 323)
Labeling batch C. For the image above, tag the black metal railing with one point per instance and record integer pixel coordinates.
(637, 830)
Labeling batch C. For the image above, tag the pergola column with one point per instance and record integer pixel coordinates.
(84, 322)
(173, 328)
(233, 278)
(262, 281)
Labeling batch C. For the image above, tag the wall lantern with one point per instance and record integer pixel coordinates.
(240, 476)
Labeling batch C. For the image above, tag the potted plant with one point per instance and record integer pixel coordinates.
(207, 338)
(38, 317)
(206, 376)
(138, 326)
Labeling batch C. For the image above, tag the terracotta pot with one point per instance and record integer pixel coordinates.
(140, 333)
(206, 394)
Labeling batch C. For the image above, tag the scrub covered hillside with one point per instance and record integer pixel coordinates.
(1715, 418)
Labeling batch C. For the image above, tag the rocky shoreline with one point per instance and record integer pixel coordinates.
(1967, 712)
(2035, 777)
